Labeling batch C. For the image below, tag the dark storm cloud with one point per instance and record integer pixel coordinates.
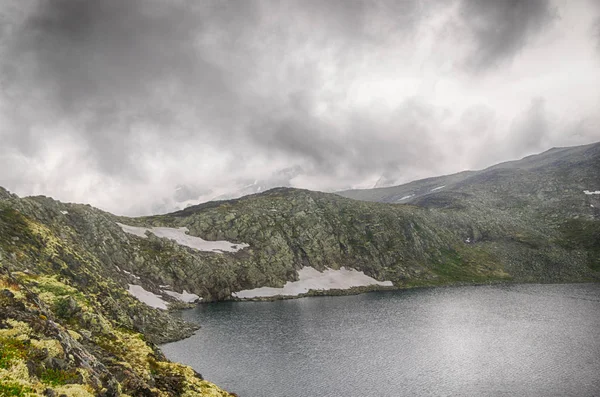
(110, 64)
(364, 21)
(501, 28)
(107, 56)
(108, 53)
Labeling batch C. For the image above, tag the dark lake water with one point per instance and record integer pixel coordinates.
(509, 340)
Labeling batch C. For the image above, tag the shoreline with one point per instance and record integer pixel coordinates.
(359, 291)
(372, 288)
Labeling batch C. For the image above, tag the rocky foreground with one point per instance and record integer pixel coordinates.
(65, 329)
(68, 324)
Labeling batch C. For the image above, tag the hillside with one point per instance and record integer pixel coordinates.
(67, 327)
(555, 174)
(67, 268)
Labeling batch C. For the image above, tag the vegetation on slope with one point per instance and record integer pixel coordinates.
(53, 341)
(68, 329)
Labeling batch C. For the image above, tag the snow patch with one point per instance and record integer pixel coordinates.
(406, 197)
(310, 278)
(184, 296)
(147, 297)
(131, 274)
(138, 231)
(64, 212)
(181, 237)
(590, 193)
(438, 188)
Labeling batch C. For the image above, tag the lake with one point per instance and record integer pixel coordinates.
(502, 340)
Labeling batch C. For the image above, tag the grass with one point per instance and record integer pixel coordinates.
(583, 234)
(468, 266)
(452, 267)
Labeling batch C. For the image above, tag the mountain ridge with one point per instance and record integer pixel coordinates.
(393, 193)
(68, 269)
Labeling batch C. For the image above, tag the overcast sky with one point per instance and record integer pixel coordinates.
(143, 106)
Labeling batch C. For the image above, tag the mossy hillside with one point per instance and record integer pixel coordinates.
(31, 358)
(290, 228)
(38, 353)
(548, 220)
(55, 248)
(76, 327)
(584, 235)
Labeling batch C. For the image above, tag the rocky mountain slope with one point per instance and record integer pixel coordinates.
(574, 169)
(556, 195)
(67, 327)
(67, 268)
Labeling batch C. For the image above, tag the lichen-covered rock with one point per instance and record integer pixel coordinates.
(42, 354)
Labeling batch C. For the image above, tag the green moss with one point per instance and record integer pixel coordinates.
(450, 266)
(56, 288)
(11, 350)
(14, 390)
(58, 377)
(468, 265)
(14, 231)
(528, 239)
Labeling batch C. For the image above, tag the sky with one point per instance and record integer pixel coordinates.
(146, 106)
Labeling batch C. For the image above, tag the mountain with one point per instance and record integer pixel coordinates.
(67, 325)
(280, 178)
(187, 195)
(84, 292)
(543, 171)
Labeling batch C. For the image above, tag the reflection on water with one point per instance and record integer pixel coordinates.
(526, 340)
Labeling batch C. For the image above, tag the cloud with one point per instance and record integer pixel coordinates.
(595, 27)
(103, 54)
(133, 99)
(500, 29)
(596, 31)
(109, 66)
(530, 131)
